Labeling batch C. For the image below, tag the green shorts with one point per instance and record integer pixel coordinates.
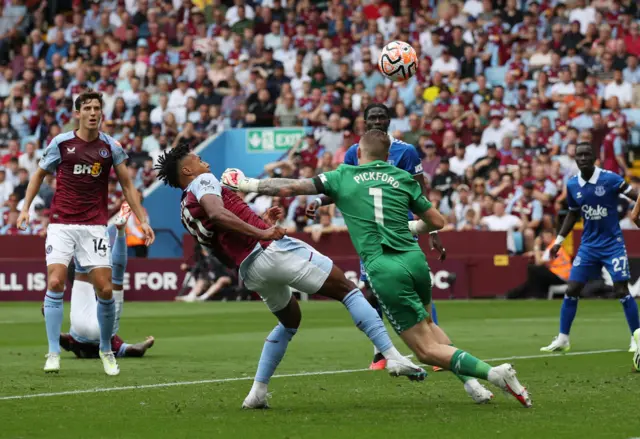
(402, 284)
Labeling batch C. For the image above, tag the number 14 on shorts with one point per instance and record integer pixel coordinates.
(99, 245)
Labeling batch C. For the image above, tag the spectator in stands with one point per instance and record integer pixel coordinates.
(324, 226)
(6, 188)
(286, 113)
(459, 162)
(23, 181)
(11, 226)
(173, 73)
(500, 221)
(620, 89)
(544, 272)
(29, 160)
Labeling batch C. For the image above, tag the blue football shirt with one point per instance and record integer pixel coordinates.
(401, 155)
(597, 200)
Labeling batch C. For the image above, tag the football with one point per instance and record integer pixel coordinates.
(398, 61)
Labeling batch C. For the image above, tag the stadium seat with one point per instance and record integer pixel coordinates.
(557, 290)
(495, 75)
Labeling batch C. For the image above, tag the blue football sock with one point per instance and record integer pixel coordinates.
(273, 351)
(53, 316)
(434, 313)
(119, 266)
(365, 318)
(118, 297)
(106, 319)
(378, 309)
(631, 312)
(119, 259)
(568, 313)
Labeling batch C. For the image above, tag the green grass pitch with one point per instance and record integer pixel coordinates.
(594, 395)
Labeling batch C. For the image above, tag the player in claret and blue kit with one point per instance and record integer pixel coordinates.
(81, 160)
(401, 155)
(594, 194)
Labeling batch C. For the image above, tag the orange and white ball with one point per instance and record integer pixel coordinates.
(398, 61)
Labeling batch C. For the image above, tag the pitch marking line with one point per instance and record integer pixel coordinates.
(290, 375)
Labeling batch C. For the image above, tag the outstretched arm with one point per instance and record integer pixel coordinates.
(279, 187)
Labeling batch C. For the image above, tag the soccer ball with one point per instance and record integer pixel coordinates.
(398, 61)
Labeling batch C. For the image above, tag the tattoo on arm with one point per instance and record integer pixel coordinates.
(285, 187)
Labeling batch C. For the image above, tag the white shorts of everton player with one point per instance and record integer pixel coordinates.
(285, 264)
(84, 313)
(88, 243)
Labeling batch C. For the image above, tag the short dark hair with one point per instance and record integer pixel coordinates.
(376, 105)
(167, 166)
(375, 144)
(87, 96)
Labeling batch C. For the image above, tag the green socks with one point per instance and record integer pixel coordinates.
(463, 363)
(462, 378)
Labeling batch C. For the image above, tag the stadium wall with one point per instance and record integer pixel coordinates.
(247, 149)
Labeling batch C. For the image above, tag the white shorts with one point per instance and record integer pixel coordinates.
(89, 244)
(84, 313)
(285, 264)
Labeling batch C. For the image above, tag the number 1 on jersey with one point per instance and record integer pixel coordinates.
(376, 193)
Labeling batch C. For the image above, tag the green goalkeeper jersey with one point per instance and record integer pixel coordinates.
(374, 200)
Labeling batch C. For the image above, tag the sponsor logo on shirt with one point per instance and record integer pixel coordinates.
(93, 170)
(594, 213)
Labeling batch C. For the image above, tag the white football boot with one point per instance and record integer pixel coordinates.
(560, 343)
(636, 354)
(404, 367)
(52, 364)
(123, 215)
(504, 376)
(110, 364)
(633, 345)
(256, 400)
(479, 393)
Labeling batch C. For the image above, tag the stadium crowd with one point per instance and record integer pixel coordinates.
(504, 91)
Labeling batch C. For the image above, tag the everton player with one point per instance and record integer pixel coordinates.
(82, 160)
(269, 263)
(401, 155)
(593, 194)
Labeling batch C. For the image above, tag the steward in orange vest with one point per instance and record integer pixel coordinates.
(543, 273)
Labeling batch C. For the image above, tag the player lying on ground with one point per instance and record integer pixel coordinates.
(374, 198)
(404, 156)
(82, 160)
(269, 263)
(594, 193)
(83, 338)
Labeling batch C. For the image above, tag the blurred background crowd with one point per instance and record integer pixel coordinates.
(504, 91)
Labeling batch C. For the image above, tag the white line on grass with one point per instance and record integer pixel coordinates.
(289, 375)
